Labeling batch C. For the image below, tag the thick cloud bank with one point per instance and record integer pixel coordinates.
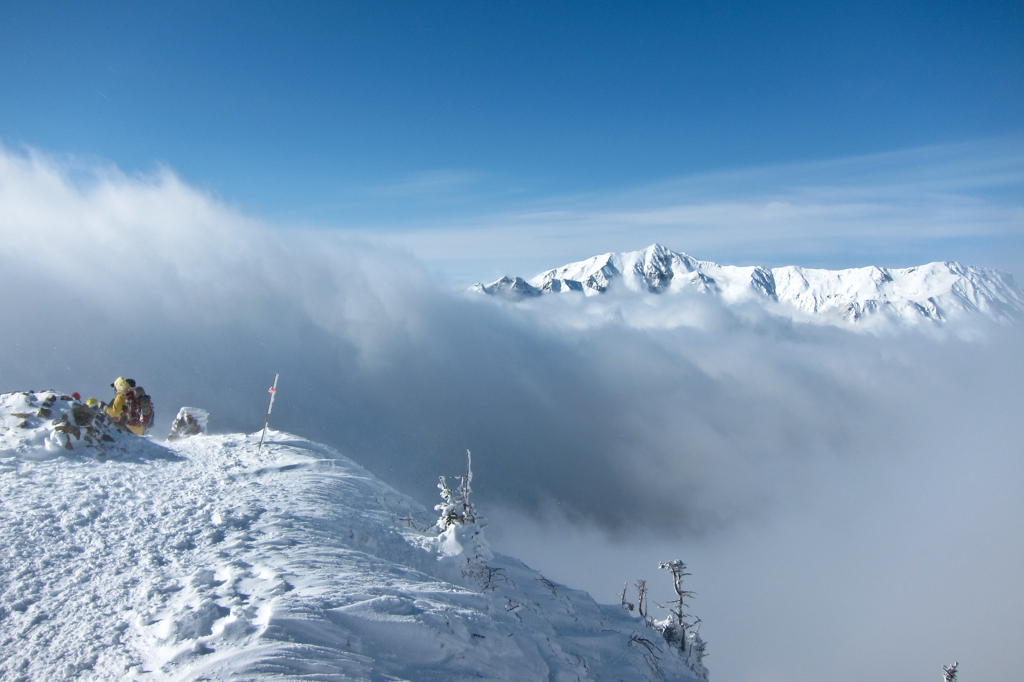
(665, 416)
(689, 416)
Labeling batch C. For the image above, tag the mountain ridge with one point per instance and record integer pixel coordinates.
(935, 292)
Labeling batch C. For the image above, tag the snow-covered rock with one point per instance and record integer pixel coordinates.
(47, 424)
(935, 292)
(206, 559)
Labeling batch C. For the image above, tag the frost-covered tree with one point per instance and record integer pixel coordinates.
(696, 652)
(679, 633)
(460, 530)
(949, 672)
(674, 628)
(627, 605)
(641, 599)
(456, 507)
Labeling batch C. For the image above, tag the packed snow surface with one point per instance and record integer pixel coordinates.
(205, 559)
(936, 291)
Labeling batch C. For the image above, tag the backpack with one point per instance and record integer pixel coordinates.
(139, 407)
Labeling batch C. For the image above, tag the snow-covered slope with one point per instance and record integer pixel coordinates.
(937, 291)
(126, 559)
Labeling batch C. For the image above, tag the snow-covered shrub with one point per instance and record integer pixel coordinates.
(695, 653)
(456, 508)
(461, 537)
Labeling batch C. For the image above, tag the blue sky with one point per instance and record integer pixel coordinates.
(399, 118)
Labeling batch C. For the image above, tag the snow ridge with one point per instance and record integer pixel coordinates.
(204, 559)
(934, 292)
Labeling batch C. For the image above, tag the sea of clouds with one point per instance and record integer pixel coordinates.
(849, 502)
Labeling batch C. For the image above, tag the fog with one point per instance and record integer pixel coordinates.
(848, 502)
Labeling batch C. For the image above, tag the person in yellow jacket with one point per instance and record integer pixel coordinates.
(131, 408)
(116, 409)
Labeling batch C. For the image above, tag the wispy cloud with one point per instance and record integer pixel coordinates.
(956, 202)
(428, 183)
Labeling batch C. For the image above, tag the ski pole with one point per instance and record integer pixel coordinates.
(270, 405)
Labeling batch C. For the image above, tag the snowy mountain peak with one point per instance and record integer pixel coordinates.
(934, 292)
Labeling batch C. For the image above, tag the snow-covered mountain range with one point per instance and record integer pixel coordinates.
(935, 292)
(210, 559)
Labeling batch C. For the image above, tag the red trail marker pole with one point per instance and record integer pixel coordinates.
(270, 406)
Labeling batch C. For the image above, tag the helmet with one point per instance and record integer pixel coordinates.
(121, 384)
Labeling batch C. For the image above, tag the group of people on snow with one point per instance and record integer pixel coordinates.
(132, 410)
